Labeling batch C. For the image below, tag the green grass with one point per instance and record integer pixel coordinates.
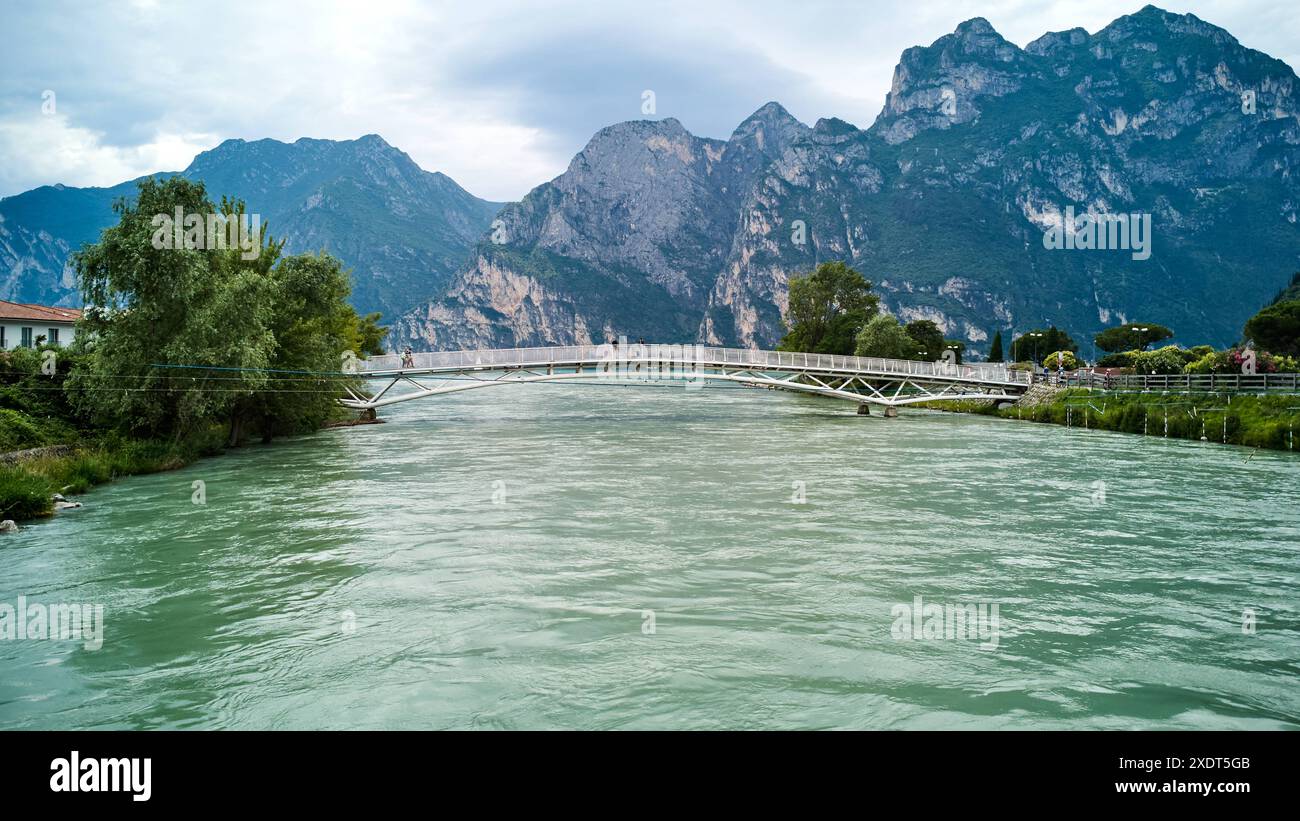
(1253, 421)
(26, 487)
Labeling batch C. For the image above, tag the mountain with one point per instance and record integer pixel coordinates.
(631, 236)
(981, 149)
(404, 231)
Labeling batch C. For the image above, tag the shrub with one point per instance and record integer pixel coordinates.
(1071, 361)
(1169, 359)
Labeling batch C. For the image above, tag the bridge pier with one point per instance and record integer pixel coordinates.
(864, 409)
(891, 412)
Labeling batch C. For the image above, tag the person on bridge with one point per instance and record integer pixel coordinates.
(408, 358)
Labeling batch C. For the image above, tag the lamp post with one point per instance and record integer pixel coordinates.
(1142, 331)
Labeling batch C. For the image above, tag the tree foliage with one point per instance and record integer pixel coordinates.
(827, 310)
(178, 339)
(957, 347)
(928, 338)
(1030, 346)
(1132, 336)
(370, 335)
(883, 337)
(1277, 328)
(995, 350)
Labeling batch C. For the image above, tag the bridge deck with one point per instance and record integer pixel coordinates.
(693, 355)
(866, 380)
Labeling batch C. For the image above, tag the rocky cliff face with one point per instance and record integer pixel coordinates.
(981, 148)
(403, 231)
(629, 239)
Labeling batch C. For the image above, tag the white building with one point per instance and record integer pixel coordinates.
(26, 326)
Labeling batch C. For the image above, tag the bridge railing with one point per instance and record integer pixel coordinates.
(1189, 382)
(695, 355)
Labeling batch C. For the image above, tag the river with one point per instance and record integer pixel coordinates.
(569, 556)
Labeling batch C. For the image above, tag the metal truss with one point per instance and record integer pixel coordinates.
(872, 386)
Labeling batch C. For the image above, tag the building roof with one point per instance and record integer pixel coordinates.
(37, 313)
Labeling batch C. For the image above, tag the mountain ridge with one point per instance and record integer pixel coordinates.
(336, 195)
(980, 148)
(943, 202)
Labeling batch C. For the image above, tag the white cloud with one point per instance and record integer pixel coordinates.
(48, 150)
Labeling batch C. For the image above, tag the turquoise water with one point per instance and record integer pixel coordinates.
(561, 556)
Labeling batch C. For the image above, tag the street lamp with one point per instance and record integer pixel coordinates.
(1144, 339)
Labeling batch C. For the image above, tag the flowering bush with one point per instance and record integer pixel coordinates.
(1169, 359)
(1232, 360)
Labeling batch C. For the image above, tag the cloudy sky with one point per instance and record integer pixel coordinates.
(499, 95)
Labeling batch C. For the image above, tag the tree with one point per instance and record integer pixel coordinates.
(1134, 336)
(369, 336)
(312, 324)
(957, 347)
(180, 337)
(148, 305)
(929, 339)
(1039, 342)
(827, 310)
(995, 351)
(1277, 328)
(883, 337)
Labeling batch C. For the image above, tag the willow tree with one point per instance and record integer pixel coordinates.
(150, 307)
(183, 335)
(313, 327)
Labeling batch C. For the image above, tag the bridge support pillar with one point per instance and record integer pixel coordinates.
(891, 412)
(864, 409)
(368, 414)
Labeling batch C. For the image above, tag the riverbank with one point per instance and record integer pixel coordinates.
(1250, 420)
(30, 478)
(28, 482)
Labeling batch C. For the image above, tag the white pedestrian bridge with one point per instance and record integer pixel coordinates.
(867, 381)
